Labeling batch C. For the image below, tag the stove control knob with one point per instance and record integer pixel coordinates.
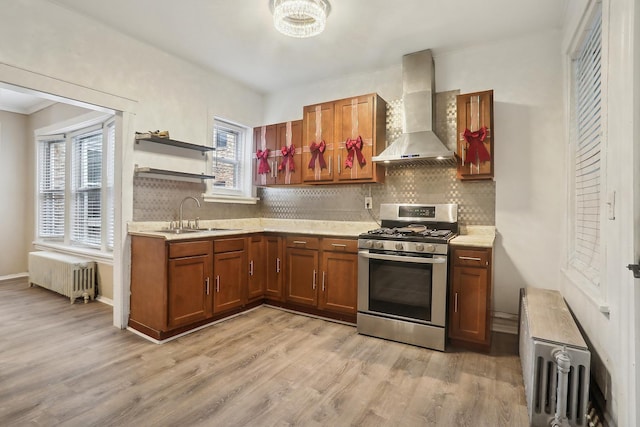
(431, 248)
(399, 246)
(368, 244)
(419, 247)
(379, 245)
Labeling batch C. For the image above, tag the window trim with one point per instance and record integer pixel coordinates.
(68, 129)
(595, 291)
(247, 193)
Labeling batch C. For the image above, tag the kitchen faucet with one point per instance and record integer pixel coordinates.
(182, 203)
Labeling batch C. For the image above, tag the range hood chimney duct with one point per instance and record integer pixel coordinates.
(418, 143)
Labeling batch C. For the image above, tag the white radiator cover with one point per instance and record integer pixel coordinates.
(71, 276)
(549, 337)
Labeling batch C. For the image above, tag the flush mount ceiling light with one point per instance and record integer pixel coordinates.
(300, 18)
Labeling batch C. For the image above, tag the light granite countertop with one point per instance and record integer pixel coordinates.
(479, 236)
(232, 227)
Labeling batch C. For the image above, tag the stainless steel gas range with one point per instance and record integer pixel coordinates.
(402, 274)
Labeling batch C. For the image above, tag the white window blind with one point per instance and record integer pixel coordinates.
(110, 171)
(86, 172)
(51, 188)
(587, 118)
(228, 139)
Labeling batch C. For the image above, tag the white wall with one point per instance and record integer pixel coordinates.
(15, 194)
(526, 77)
(69, 55)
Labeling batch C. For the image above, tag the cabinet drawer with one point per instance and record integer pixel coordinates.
(185, 249)
(471, 257)
(228, 245)
(304, 242)
(340, 245)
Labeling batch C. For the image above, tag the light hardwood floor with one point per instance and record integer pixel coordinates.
(65, 365)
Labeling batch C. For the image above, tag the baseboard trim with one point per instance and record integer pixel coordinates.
(11, 279)
(104, 300)
(505, 322)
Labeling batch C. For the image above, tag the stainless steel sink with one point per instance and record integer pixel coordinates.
(178, 231)
(215, 229)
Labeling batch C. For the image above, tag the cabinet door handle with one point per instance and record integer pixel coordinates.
(218, 283)
(251, 268)
(470, 258)
(206, 281)
(330, 158)
(339, 164)
(299, 242)
(314, 280)
(338, 245)
(277, 265)
(455, 303)
(323, 276)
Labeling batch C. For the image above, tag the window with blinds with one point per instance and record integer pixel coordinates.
(588, 142)
(51, 188)
(76, 180)
(229, 142)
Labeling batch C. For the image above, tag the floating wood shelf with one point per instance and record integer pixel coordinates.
(175, 143)
(168, 174)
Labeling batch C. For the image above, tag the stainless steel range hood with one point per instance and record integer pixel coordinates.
(418, 143)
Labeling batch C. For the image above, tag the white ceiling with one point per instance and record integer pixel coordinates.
(19, 102)
(237, 38)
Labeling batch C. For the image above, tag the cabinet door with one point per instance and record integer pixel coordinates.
(318, 123)
(302, 276)
(274, 266)
(354, 120)
(475, 147)
(230, 280)
(469, 304)
(264, 138)
(289, 136)
(339, 282)
(188, 300)
(257, 268)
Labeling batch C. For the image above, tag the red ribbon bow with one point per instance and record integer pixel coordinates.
(316, 151)
(263, 166)
(287, 158)
(354, 146)
(476, 152)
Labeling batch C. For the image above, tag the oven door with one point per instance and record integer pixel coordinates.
(411, 288)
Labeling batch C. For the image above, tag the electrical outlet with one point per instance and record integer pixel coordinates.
(368, 202)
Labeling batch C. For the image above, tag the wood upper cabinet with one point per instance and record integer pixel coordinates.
(353, 130)
(360, 134)
(475, 135)
(266, 166)
(339, 279)
(276, 168)
(274, 254)
(302, 270)
(289, 166)
(470, 297)
(257, 268)
(230, 274)
(318, 142)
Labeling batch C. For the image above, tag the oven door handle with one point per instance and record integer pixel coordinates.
(384, 257)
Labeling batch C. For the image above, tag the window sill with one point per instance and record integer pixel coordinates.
(94, 254)
(221, 198)
(585, 287)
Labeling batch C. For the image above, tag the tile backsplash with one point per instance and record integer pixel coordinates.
(158, 199)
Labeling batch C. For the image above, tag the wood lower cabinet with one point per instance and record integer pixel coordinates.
(169, 284)
(339, 281)
(274, 254)
(302, 270)
(179, 285)
(470, 298)
(257, 268)
(230, 272)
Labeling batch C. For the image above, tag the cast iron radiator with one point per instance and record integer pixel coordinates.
(68, 275)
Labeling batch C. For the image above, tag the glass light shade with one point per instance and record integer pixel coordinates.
(300, 18)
